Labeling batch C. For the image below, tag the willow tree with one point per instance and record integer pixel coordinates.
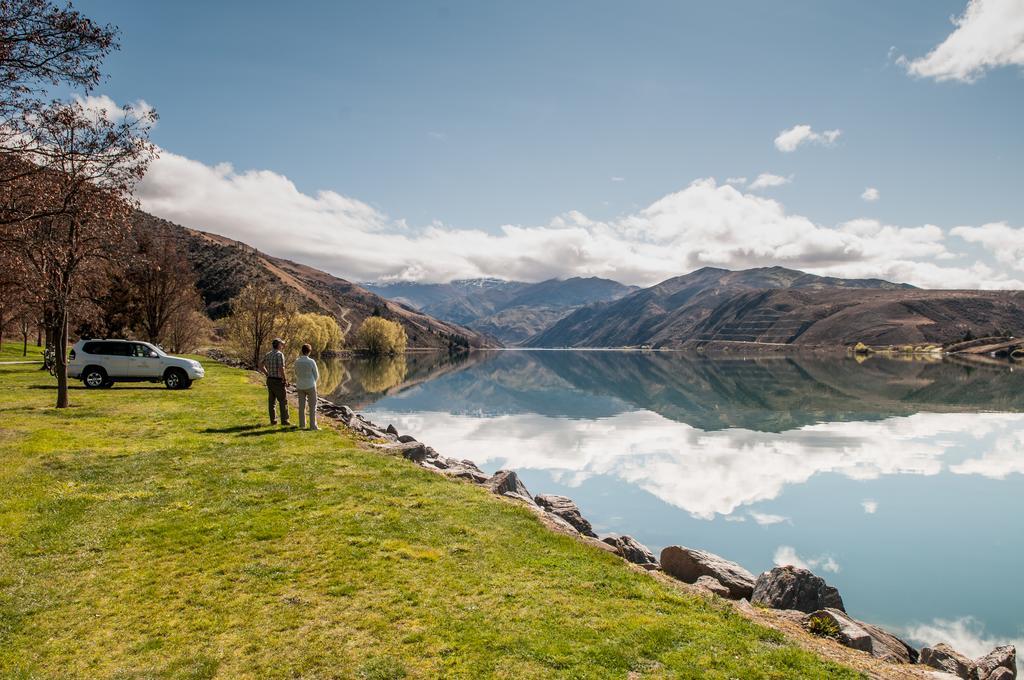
(381, 337)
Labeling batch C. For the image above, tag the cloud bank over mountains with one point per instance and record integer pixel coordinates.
(704, 223)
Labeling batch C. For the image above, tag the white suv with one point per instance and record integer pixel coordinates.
(101, 363)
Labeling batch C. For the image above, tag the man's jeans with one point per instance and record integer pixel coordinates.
(307, 396)
(276, 393)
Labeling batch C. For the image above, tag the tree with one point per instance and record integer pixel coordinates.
(66, 170)
(380, 337)
(258, 313)
(322, 332)
(164, 284)
(74, 213)
(187, 329)
(43, 45)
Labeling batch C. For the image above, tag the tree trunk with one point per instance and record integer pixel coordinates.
(39, 335)
(24, 345)
(61, 363)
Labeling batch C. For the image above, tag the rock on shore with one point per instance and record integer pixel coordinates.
(632, 550)
(688, 564)
(865, 637)
(565, 508)
(507, 483)
(791, 587)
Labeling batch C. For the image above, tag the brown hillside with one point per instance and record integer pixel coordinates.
(873, 316)
(224, 266)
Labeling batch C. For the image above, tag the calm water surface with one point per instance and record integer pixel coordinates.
(901, 482)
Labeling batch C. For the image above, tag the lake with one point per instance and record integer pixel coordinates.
(899, 481)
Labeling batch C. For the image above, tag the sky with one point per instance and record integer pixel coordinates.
(637, 141)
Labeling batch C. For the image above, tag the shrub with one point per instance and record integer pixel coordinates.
(381, 337)
(861, 348)
(823, 626)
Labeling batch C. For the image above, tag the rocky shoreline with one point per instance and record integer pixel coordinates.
(793, 593)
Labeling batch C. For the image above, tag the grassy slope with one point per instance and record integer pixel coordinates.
(150, 533)
(11, 351)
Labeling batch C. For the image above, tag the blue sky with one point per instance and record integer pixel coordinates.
(475, 115)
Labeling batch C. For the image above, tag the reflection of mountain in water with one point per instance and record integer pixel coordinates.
(361, 381)
(503, 383)
(771, 394)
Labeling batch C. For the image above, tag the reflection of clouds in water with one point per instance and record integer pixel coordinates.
(709, 473)
(1005, 458)
(787, 555)
(966, 635)
(870, 506)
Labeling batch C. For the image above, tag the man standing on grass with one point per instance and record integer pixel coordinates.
(306, 375)
(272, 366)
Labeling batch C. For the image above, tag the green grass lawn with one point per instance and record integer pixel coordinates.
(147, 533)
(12, 351)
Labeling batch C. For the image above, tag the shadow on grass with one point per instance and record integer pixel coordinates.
(235, 428)
(75, 388)
(271, 429)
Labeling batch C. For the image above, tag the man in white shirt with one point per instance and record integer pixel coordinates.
(306, 375)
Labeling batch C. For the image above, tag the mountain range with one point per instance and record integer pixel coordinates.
(710, 306)
(511, 311)
(775, 305)
(224, 266)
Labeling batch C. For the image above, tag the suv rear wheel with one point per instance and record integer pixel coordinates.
(94, 377)
(175, 379)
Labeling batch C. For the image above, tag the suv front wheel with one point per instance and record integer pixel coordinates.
(175, 379)
(94, 377)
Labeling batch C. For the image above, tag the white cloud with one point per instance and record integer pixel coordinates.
(870, 506)
(103, 106)
(870, 195)
(767, 519)
(789, 140)
(1005, 242)
(766, 180)
(966, 635)
(786, 555)
(702, 224)
(616, 178)
(739, 181)
(989, 34)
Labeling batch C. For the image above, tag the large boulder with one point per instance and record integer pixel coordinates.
(507, 483)
(688, 564)
(864, 636)
(565, 508)
(795, 588)
(999, 664)
(632, 550)
(945, 658)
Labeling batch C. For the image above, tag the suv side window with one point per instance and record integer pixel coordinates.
(93, 348)
(142, 351)
(118, 349)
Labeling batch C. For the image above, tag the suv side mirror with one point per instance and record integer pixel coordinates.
(152, 355)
